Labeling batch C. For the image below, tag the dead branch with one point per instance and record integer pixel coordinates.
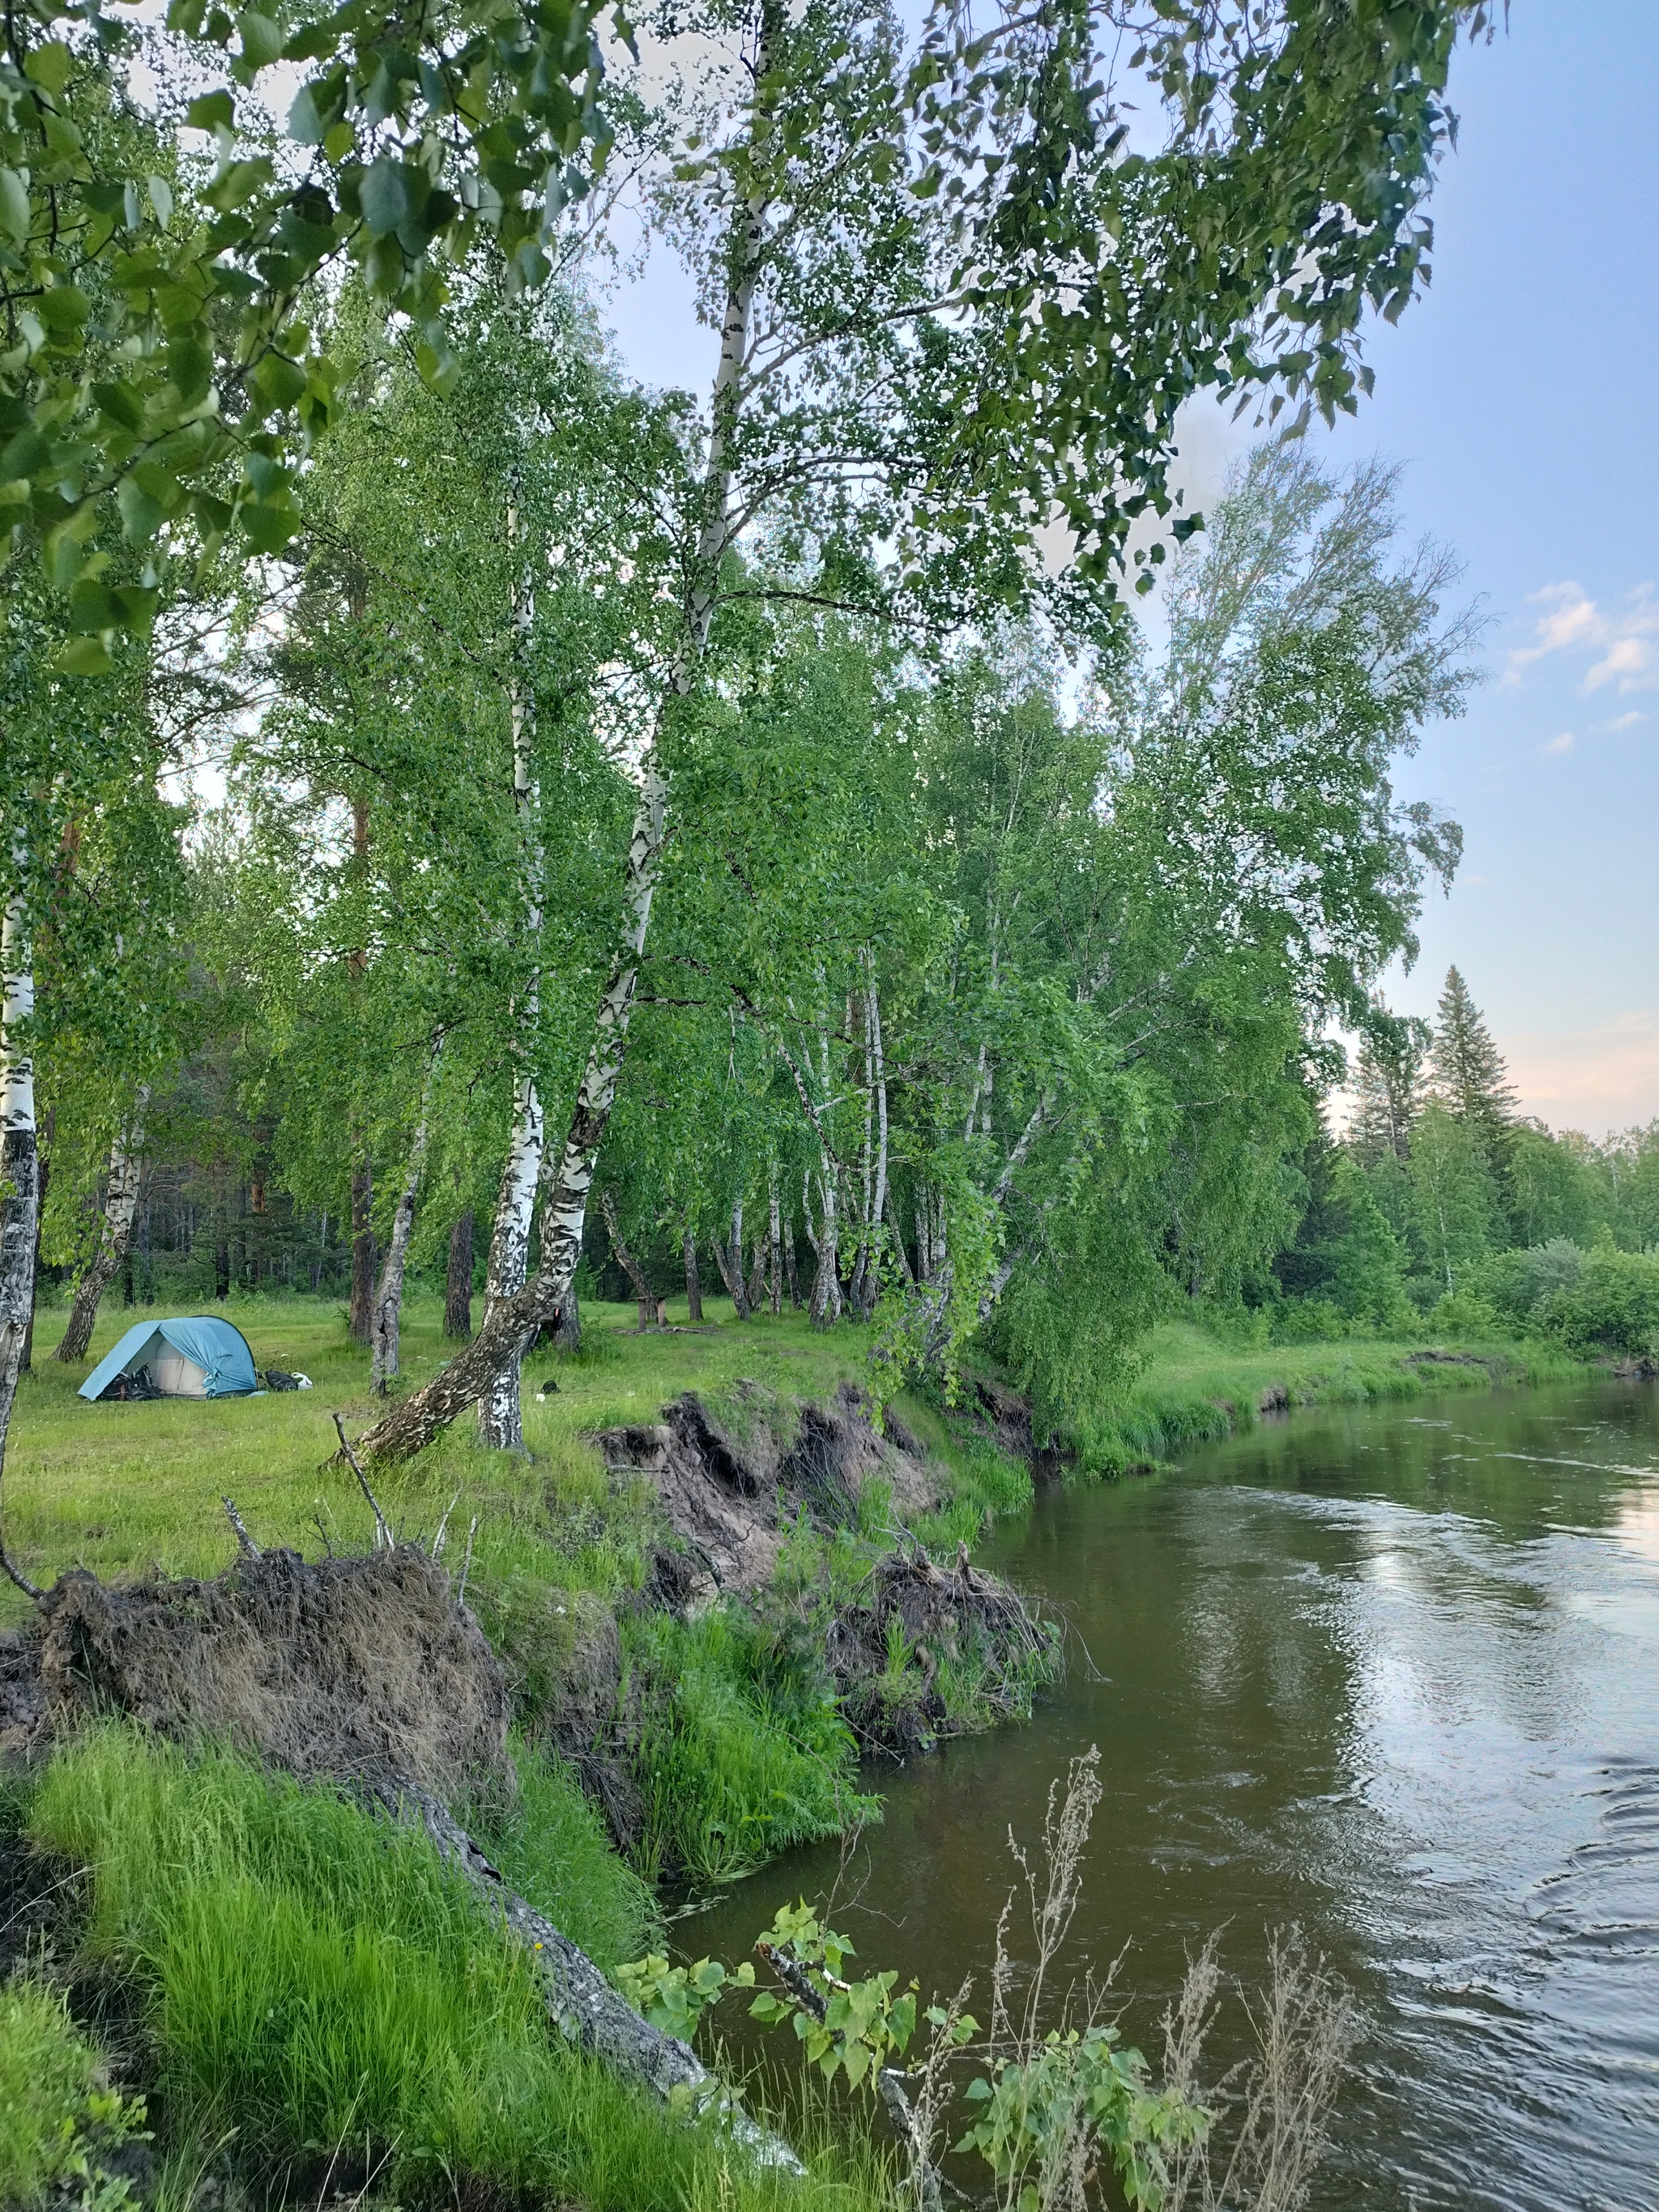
(581, 2003)
(245, 1543)
(383, 1535)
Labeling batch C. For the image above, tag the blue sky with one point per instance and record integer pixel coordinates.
(1520, 395)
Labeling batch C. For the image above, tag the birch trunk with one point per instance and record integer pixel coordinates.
(503, 1338)
(790, 1275)
(120, 1204)
(501, 1413)
(19, 1167)
(501, 1423)
(693, 1287)
(389, 1290)
(776, 1240)
(458, 1283)
(757, 1276)
(42, 1177)
(643, 1296)
(734, 1254)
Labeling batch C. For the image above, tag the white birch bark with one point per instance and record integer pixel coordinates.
(19, 1163)
(566, 1186)
(775, 1236)
(126, 1159)
(389, 1290)
(500, 1415)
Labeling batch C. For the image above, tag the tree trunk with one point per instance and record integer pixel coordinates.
(643, 1296)
(693, 1287)
(775, 1239)
(826, 1280)
(362, 1323)
(757, 1291)
(457, 1290)
(568, 1322)
(120, 1202)
(389, 1290)
(893, 1223)
(421, 1417)
(790, 1275)
(501, 1419)
(18, 1166)
(42, 1177)
(734, 1273)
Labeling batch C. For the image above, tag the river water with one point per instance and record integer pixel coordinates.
(1391, 1675)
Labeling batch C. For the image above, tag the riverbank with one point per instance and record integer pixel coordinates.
(652, 1737)
(1199, 1389)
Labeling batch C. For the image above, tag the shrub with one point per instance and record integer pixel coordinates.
(1613, 1305)
(60, 2122)
(1522, 1284)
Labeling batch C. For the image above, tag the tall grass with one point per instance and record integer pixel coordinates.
(316, 1977)
(734, 1768)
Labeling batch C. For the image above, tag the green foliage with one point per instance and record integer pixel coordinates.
(552, 1847)
(1611, 1305)
(1037, 2114)
(319, 1972)
(853, 2029)
(62, 2122)
(675, 1998)
(1455, 1211)
(737, 1764)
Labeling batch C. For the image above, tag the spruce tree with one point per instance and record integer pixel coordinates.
(1387, 1081)
(1467, 1073)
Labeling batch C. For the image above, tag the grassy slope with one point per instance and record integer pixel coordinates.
(1197, 1388)
(120, 1487)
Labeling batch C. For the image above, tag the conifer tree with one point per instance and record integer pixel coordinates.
(1387, 1083)
(1467, 1072)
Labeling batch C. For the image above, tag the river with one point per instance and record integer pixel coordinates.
(1391, 1675)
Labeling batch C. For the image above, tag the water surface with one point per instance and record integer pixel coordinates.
(1392, 1675)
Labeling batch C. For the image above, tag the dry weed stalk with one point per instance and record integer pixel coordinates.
(1272, 2110)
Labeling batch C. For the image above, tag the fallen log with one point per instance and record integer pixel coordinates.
(581, 2003)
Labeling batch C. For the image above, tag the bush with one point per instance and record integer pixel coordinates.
(1612, 1306)
(60, 2122)
(1522, 1284)
(1463, 1313)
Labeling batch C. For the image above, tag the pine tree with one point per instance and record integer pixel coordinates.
(1467, 1073)
(1387, 1081)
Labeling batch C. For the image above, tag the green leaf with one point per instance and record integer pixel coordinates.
(48, 66)
(142, 516)
(211, 110)
(278, 382)
(83, 656)
(261, 39)
(160, 198)
(14, 206)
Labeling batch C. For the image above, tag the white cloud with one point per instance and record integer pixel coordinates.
(1627, 640)
(1564, 744)
(1626, 721)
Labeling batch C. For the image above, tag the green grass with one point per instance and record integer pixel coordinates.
(1197, 1388)
(58, 2116)
(316, 1977)
(120, 1488)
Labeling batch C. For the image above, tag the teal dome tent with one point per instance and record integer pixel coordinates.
(197, 1356)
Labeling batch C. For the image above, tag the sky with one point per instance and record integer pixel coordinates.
(1519, 395)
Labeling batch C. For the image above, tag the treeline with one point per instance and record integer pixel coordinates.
(1442, 1200)
(735, 831)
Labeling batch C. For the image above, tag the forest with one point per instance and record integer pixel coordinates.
(485, 832)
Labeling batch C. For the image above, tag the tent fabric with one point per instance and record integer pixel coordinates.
(198, 1356)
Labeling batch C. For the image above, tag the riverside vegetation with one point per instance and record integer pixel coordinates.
(659, 837)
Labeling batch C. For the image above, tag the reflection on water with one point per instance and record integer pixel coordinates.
(1394, 1677)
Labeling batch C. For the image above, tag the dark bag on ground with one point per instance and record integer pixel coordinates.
(277, 1379)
